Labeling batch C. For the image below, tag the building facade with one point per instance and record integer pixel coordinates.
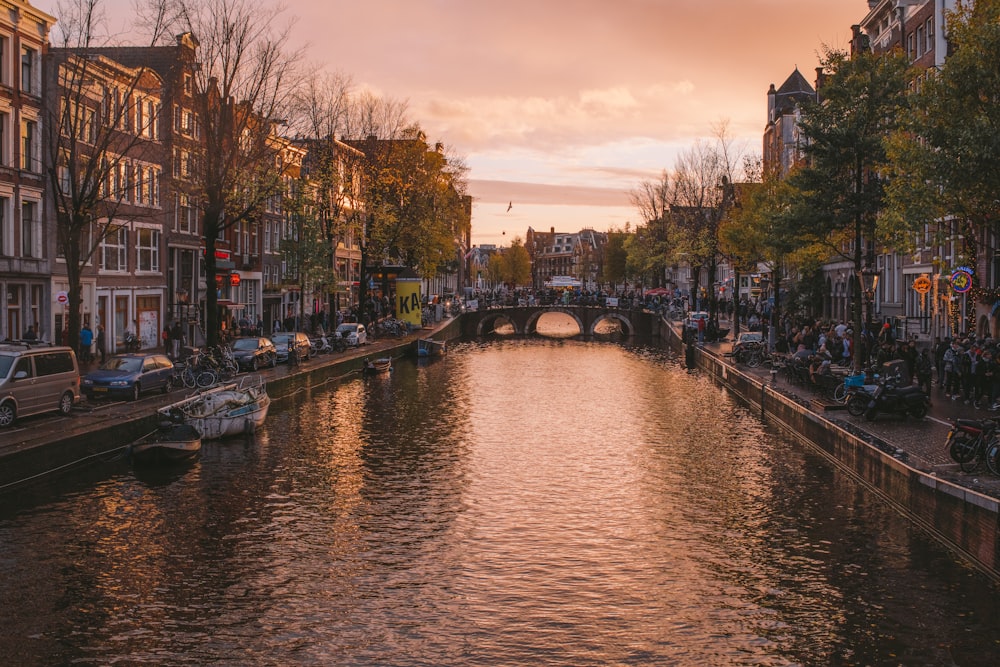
(26, 260)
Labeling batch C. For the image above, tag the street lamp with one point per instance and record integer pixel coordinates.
(868, 279)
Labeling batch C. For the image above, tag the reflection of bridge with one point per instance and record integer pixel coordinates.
(524, 319)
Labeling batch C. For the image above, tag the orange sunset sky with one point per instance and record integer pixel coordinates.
(561, 107)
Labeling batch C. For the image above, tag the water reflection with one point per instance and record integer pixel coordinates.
(523, 502)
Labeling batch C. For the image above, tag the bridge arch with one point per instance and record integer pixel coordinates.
(613, 315)
(532, 322)
(487, 323)
(524, 319)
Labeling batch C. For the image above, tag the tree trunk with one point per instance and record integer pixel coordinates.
(211, 293)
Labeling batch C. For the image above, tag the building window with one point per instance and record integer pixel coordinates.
(187, 215)
(28, 58)
(4, 132)
(31, 230)
(929, 32)
(6, 228)
(4, 60)
(148, 244)
(113, 249)
(29, 152)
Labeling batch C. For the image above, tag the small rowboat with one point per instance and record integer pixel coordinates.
(170, 443)
(377, 366)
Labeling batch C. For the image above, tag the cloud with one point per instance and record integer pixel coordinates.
(521, 193)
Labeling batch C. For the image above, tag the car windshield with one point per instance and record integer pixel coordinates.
(128, 364)
(347, 328)
(245, 344)
(5, 363)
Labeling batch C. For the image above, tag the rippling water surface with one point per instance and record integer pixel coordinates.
(517, 503)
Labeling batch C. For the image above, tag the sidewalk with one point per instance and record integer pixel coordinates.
(918, 443)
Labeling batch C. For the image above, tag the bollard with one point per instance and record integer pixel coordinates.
(774, 378)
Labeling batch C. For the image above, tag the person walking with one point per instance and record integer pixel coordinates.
(100, 341)
(176, 338)
(86, 340)
(924, 367)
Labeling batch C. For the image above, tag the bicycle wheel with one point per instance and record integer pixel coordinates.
(972, 463)
(189, 378)
(206, 379)
(993, 456)
(962, 449)
(754, 358)
(857, 404)
(840, 393)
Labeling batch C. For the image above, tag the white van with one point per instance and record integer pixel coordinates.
(36, 378)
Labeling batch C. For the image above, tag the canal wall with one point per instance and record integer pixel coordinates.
(59, 444)
(966, 521)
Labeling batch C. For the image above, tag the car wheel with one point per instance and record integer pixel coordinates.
(167, 386)
(253, 365)
(274, 361)
(8, 413)
(136, 390)
(66, 404)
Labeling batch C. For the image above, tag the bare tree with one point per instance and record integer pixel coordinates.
(242, 94)
(94, 130)
(699, 199)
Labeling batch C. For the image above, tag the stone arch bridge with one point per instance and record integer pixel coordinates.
(524, 319)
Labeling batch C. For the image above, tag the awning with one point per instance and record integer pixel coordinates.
(231, 305)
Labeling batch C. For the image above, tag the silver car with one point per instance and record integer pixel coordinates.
(352, 333)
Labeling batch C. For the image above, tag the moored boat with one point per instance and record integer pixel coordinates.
(428, 347)
(170, 443)
(223, 411)
(377, 366)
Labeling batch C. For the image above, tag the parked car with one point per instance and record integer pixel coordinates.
(36, 378)
(254, 352)
(748, 338)
(354, 334)
(128, 375)
(296, 339)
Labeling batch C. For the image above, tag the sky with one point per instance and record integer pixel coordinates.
(560, 108)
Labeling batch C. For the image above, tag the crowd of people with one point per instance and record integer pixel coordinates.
(965, 368)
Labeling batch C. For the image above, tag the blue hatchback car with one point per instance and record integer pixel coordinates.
(128, 375)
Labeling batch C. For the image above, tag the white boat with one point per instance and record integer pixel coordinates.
(223, 411)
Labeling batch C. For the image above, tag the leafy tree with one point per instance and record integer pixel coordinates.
(762, 229)
(944, 159)
(511, 266)
(840, 192)
(615, 258)
(306, 250)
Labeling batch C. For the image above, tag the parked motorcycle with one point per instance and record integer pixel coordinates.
(890, 398)
(320, 344)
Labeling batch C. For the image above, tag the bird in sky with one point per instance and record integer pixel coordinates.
(510, 206)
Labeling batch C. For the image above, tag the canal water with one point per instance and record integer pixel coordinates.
(528, 502)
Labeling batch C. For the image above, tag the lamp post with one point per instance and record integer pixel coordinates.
(868, 279)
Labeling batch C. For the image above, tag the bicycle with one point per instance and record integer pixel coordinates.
(972, 442)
